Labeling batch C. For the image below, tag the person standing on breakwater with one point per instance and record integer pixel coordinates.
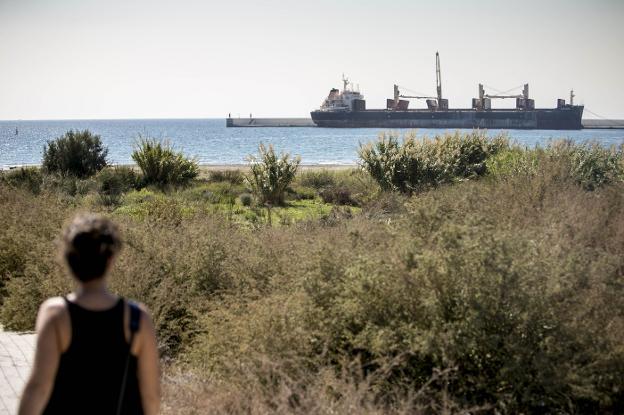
(96, 353)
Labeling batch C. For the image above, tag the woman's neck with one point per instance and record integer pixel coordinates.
(93, 294)
(93, 287)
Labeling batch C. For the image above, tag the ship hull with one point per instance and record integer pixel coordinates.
(566, 118)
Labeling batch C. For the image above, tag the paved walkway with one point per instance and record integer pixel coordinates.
(16, 353)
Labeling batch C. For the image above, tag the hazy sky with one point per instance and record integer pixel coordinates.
(70, 59)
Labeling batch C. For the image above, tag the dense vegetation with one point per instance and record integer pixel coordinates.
(499, 288)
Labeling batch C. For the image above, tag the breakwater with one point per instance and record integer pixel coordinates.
(269, 122)
(603, 124)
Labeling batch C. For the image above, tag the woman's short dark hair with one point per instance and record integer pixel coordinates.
(88, 244)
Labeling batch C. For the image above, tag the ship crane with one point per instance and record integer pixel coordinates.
(398, 104)
(433, 103)
(524, 95)
(523, 102)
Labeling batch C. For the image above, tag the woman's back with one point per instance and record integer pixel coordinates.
(83, 339)
(91, 370)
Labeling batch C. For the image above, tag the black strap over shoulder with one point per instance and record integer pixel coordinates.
(135, 319)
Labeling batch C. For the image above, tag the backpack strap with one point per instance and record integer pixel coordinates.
(135, 318)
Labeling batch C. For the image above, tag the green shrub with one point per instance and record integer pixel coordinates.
(512, 162)
(29, 178)
(68, 185)
(416, 164)
(271, 174)
(316, 179)
(114, 182)
(76, 153)
(589, 164)
(161, 165)
(246, 199)
(337, 195)
(218, 192)
(232, 176)
(301, 193)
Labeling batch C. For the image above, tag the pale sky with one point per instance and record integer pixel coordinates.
(87, 59)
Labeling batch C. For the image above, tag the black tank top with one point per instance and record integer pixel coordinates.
(90, 372)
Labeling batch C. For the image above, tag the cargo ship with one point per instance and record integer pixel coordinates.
(347, 108)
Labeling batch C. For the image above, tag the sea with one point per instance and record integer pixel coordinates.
(210, 142)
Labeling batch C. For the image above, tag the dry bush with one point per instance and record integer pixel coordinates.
(29, 178)
(267, 388)
(28, 270)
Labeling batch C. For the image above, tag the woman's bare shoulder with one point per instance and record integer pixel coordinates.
(53, 304)
(51, 311)
(52, 308)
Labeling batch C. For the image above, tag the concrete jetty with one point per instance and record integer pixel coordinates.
(269, 122)
(603, 124)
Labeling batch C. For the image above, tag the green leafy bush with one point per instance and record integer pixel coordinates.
(416, 165)
(161, 165)
(297, 192)
(68, 185)
(588, 164)
(246, 199)
(316, 179)
(29, 178)
(232, 176)
(76, 153)
(514, 162)
(271, 174)
(337, 195)
(114, 182)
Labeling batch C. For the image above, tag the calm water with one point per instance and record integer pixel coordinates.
(212, 143)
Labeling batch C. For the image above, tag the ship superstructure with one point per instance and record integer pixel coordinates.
(347, 100)
(348, 109)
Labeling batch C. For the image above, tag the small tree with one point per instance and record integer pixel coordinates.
(162, 165)
(76, 153)
(271, 174)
